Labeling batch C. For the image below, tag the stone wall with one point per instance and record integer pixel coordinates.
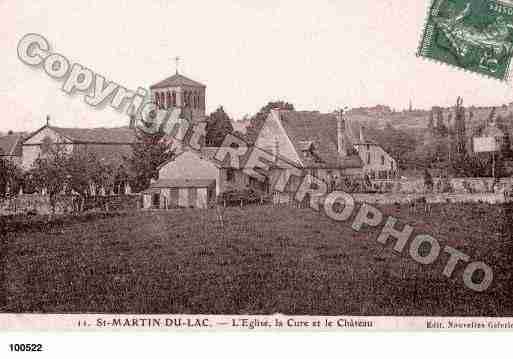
(393, 198)
(39, 204)
(453, 185)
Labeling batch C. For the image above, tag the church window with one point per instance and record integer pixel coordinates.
(230, 175)
(382, 160)
(174, 98)
(168, 99)
(46, 145)
(368, 158)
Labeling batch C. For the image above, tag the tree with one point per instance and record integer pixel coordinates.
(149, 152)
(11, 177)
(399, 144)
(428, 180)
(78, 172)
(257, 121)
(431, 122)
(460, 127)
(48, 173)
(440, 128)
(218, 126)
(479, 165)
(434, 153)
(83, 170)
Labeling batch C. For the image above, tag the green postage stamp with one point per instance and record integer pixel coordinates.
(476, 35)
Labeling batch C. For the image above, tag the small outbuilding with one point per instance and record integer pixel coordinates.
(176, 193)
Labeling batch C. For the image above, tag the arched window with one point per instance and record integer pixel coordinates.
(168, 100)
(174, 98)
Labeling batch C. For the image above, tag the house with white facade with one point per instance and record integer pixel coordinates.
(111, 145)
(377, 163)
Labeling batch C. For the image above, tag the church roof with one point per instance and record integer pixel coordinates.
(177, 80)
(115, 135)
(320, 131)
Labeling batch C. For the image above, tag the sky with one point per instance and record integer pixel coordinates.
(319, 55)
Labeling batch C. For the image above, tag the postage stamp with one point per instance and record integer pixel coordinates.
(476, 36)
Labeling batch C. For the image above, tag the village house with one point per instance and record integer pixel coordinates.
(110, 145)
(11, 149)
(196, 178)
(377, 163)
(318, 144)
(185, 193)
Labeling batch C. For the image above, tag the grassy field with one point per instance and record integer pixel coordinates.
(266, 260)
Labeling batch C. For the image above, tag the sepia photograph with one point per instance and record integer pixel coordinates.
(256, 165)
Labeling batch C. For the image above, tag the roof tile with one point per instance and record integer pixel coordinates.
(321, 130)
(114, 135)
(176, 81)
(10, 145)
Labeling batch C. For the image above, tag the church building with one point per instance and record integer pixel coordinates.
(181, 92)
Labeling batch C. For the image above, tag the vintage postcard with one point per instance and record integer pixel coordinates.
(256, 166)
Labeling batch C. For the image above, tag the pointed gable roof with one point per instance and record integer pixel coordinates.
(319, 133)
(177, 80)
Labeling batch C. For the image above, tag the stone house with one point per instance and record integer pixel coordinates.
(11, 148)
(377, 163)
(173, 193)
(317, 144)
(111, 145)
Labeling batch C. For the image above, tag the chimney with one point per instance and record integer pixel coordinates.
(132, 121)
(48, 120)
(340, 134)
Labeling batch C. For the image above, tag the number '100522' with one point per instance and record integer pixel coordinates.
(26, 347)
